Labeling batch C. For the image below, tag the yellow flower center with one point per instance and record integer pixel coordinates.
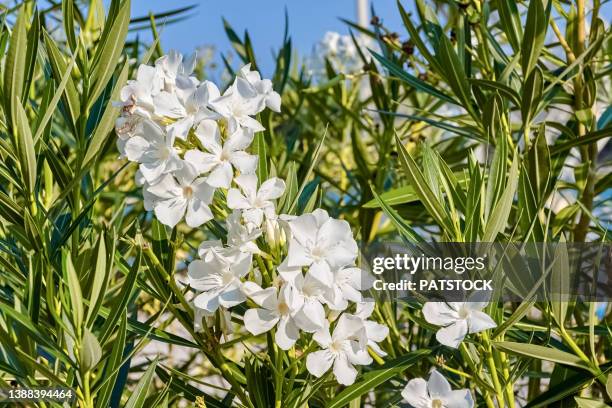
(187, 192)
(436, 404)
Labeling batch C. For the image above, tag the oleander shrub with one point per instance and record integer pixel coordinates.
(168, 238)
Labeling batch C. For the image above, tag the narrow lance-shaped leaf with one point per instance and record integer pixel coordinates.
(498, 219)
(15, 65)
(535, 34)
(418, 182)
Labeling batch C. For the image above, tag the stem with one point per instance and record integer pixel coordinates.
(278, 378)
(491, 364)
(589, 152)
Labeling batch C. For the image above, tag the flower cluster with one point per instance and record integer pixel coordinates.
(191, 140)
(340, 51)
(188, 138)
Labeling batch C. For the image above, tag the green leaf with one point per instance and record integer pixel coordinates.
(109, 50)
(259, 148)
(113, 363)
(412, 80)
(139, 396)
(541, 353)
(421, 188)
(121, 301)
(90, 352)
(74, 289)
(499, 216)
(107, 123)
(58, 66)
(402, 226)
(609, 385)
(504, 90)
(373, 379)
(50, 108)
(531, 96)
(510, 20)
(15, 66)
(25, 143)
(313, 159)
(559, 283)
(533, 39)
(100, 281)
(453, 72)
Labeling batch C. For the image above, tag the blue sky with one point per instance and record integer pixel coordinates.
(264, 19)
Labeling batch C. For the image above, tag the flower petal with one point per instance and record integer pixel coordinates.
(415, 393)
(343, 370)
(458, 399)
(287, 333)
(453, 334)
(439, 313)
(197, 213)
(271, 189)
(259, 321)
(221, 176)
(231, 297)
(319, 362)
(208, 301)
(479, 321)
(438, 385)
(170, 212)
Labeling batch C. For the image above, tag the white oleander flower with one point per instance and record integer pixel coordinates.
(436, 393)
(277, 308)
(458, 319)
(312, 288)
(375, 332)
(174, 68)
(270, 98)
(242, 236)
(347, 286)
(137, 100)
(185, 192)
(321, 243)
(219, 279)
(254, 202)
(220, 159)
(188, 106)
(155, 152)
(238, 104)
(343, 349)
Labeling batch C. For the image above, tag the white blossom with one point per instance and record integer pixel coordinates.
(137, 100)
(187, 106)
(347, 285)
(254, 202)
(436, 393)
(343, 349)
(221, 158)
(242, 236)
(154, 151)
(174, 68)
(277, 308)
(219, 279)
(321, 243)
(173, 196)
(312, 288)
(264, 88)
(238, 104)
(375, 332)
(458, 319)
